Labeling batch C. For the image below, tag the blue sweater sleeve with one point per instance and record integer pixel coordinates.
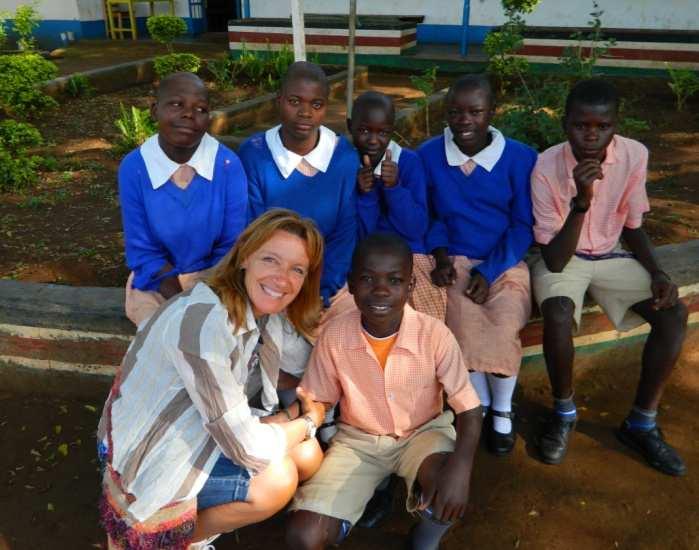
(340, 242)
(437, 233)
(235, 213)
(407, 201)
(145, 256)
(519, 235)
(368, 212)
(256, 205)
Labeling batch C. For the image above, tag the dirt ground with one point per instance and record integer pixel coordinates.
(601, 497)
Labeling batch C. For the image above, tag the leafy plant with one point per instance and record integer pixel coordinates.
(26, 19)
(20, 85)
(685, 84)
(78, 85)
(278, 63)
(135, 126)
(18, 167)
(165, 29)
(425, 84)
(4, 16)
(578, 61)
(175, 63)
(223, 71)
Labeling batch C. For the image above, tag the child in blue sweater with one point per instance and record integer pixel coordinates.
(391, 196)
(306, 167)
(183, 199)
(479, 192)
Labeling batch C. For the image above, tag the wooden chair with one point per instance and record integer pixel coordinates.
(117, 12)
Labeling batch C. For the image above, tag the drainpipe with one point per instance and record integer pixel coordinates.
(298, 30)
(349, 91)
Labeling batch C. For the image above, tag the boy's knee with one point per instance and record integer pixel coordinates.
(307, 456)
(674, 319)
(558, 311)
(306, 531)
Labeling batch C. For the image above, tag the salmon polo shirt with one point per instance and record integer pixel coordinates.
(425, 360)
(619, 199)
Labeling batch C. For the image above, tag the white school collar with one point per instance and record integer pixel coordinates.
(395, 154)
(287, 161)
(160, 167)
(486, 158)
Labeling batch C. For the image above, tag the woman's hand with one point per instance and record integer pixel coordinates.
(314, 409)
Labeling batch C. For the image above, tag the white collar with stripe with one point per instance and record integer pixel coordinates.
(486, 157)
(287, 161)
(160, 167)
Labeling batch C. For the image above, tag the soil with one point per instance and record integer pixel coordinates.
(67, 228)
(602, 496)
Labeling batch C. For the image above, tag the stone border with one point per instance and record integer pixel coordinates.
(70, 340)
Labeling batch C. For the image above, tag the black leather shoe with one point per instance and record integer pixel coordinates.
(651, 444)
(553, 443)
(379, 507)
(498, 443)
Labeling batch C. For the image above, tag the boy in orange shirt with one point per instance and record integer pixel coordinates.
(388, 366)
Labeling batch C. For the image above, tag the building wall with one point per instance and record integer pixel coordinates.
(628, 14)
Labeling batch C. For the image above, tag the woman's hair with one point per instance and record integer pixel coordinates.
(228, 280)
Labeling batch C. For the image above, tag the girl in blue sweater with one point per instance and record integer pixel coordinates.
(306, 167)
(478, 188)
(183, 199)
(392, 195)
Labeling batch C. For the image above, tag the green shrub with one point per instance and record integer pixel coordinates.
(501, 47)
(175, 63)
(135, 126)
(425, 84)
(166, 28)
(3, 28)
(263, 69)
(579, 61)
(277, 65)
(20, 85)
(26, 19)
(78, 85)
(18, 167)
(223, 71)
(685, 83)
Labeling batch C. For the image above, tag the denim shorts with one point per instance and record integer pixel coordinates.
(228, 482)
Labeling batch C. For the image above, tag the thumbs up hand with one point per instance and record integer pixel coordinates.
(389, 170)
(365, 175)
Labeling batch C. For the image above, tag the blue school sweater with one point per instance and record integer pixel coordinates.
(485, 216)
(400, 209)
(191, 229)
(328, 198)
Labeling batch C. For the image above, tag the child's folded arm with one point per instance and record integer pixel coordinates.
(407, 200)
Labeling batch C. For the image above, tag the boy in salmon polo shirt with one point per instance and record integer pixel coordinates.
(587, 194)
(388, 366)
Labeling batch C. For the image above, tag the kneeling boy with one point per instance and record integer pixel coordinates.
(588, 193)
(387, 365)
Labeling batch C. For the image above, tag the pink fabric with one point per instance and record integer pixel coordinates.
(141, 304)
(468, 167)
(489, 333)
(183, 176)
(306, 169)
(426, 297)
(425, 361)
(619, 200)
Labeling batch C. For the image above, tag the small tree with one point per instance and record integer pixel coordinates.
(4, 16)
(685, 83)
(425, 84)
(165, 29)
(26, 19)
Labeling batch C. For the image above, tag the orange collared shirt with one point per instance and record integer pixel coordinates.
(425, 360)
(619, 199)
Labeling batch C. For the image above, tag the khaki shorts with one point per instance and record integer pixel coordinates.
(357, 462)
(615, 284)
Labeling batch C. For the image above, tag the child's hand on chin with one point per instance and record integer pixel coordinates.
(585, 174)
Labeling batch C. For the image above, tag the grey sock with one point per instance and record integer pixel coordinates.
(427, 534)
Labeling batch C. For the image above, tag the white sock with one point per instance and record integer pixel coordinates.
(501, 390)
(480, 384)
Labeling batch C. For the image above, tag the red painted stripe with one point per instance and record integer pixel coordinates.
(88, 351)
(616, 53)
(320, 39)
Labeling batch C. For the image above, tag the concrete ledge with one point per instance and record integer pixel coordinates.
(109, 79)
(262, 108)
(70, 340)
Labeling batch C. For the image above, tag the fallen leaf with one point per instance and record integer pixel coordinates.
(50, 507)
(35, 453)
(604, 414)
(90, 408)
(57, 429)
(30, 487)
(63, 449)
(534, 514)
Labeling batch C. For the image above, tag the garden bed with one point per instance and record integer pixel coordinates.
(67, 228)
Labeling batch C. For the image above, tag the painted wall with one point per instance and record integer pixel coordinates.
(436, 12)
(630, 14)
(49, 9)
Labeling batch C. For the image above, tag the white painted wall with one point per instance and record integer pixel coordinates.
(48, 9)
(436, 12)
(89, 10)
(632, 14)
